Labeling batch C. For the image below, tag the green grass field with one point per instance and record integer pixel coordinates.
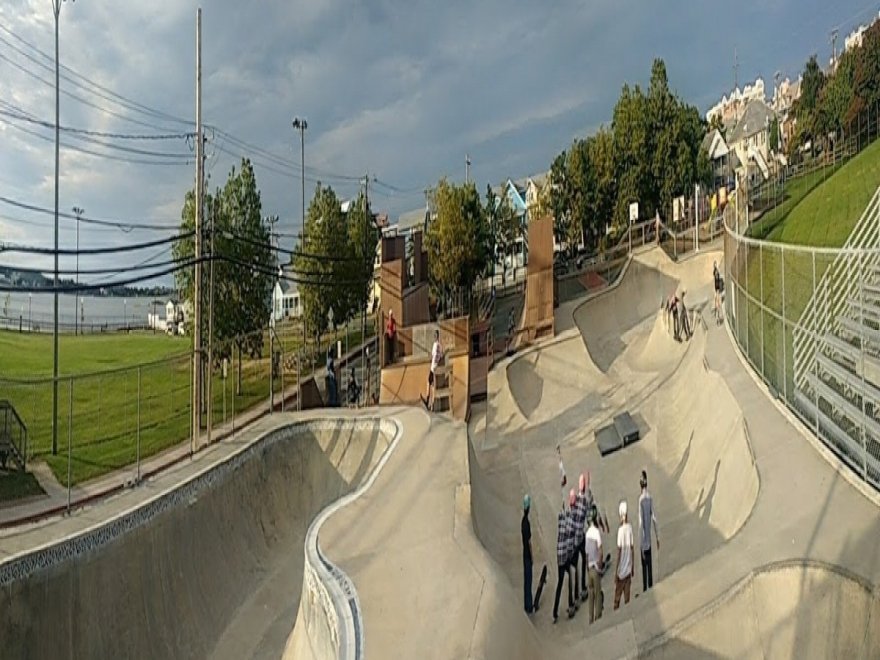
(826, 212)
(108, 407)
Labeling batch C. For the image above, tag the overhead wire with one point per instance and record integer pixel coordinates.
(24, 249)
(125, 226)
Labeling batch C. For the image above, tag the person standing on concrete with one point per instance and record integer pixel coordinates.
(683, 319)
(623, 576)
(719, 288)
(436, 357)
(511, 325)
(390, 337)
(595, 566)
(580, 520)
(563, 555)
(526, 529)
(573, 540)
(647, 518)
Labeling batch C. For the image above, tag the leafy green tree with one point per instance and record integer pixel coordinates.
(457, 238)
(805, 108)
(560, 196)
(244, 263)
(602, 160)
(504, 225)
(774, 135)
(325, 262)
(715, 123)
(866, 75)
(363, 237)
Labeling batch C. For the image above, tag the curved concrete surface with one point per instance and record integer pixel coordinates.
(788, 610)
(212, 567)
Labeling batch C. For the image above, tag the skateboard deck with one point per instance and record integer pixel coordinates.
(541, 582)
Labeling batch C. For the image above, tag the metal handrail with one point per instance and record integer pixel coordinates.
(21, 448)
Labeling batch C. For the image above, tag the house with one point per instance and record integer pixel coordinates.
(285, 298)
(750, 139)
(724, 160)
(731, 108)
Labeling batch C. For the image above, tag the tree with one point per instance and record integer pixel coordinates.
(325, 262)
(804, 108)
(560, 196)
(716, 124)
(774, 135)
(504, 224)
(244, 263)
(602, 159)
(866, 75)
(456, 239)
(363, 238)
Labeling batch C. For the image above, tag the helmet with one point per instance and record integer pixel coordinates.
(572, 498)
(527, 502)
(582, 483)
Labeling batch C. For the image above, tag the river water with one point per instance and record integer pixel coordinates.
(94, 313)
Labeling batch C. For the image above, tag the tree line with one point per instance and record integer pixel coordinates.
(650, 154)
(333, 267)
(830, 106)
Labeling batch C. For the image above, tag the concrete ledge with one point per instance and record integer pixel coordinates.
(330, 614)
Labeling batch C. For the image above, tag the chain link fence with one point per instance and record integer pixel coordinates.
(808, 321)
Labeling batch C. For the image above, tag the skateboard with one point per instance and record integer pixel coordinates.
(541, 582)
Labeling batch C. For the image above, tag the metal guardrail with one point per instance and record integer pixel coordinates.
(13, 436)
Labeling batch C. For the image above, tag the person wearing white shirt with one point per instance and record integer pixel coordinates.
(436, 358)
(595, 566)
(623, 576)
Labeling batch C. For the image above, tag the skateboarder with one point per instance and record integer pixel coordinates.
(563, 555)
(683, 320)
(595, 565)
(332, 386)
(647, 518)
(390, 337)
(719, 288)
(526, 529)
(623, 575)
(436, 358)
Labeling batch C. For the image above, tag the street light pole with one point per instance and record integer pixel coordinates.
(56, 10)
(77, 211)
(301, 125)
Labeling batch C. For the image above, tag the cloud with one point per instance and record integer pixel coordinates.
(402, 90)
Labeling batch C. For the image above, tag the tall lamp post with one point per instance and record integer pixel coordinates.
(78, 212)
(56, 10)
(301, 125)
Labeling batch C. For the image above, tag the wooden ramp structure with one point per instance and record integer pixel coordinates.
(539, 304)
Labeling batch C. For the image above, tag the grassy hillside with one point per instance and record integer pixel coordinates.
(826, 215)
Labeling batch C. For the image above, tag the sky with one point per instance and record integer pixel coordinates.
(399, 90)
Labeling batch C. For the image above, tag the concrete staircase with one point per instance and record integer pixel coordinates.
(836, 351)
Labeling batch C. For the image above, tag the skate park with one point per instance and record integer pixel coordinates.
(393, 532)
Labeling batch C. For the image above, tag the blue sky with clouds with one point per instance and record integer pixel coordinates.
(399, 89)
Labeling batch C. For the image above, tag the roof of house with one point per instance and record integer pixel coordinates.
(411, 219)
(756, 118)
(706, 144)
(288, 286)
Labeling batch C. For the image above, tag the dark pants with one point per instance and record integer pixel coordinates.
(675, 325)
(583, 559)
(527, 582)
(647, 572)
(561, 572)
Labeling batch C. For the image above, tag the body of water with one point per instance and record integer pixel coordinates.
(92, 312)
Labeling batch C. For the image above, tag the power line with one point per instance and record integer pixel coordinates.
(10, 247)
(95, 271)
(294, 253)
(96, 154)
(82, 131)
(93, 287)
(125, 226)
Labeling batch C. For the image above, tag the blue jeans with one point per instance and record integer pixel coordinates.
(527, 581)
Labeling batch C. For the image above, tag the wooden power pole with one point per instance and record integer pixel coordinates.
(197, 286)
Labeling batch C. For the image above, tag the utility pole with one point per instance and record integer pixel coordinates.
(56, 10)
(301, 125)
(197, 287)
(367, 223)
(78, 212)
(833, 49)
(210, 365)
(467, 168)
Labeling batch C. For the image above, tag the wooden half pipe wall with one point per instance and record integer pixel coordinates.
(539, 284)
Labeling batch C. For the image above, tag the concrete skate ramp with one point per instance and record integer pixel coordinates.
(213, 568)
(790, 610)
(660, 350)
(605, 319)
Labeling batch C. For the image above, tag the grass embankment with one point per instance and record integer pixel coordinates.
(143, 384)
(823, 216)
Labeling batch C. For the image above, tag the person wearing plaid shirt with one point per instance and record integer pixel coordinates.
(580, 519)
(564, 539)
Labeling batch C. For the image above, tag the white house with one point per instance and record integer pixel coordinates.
(750, 139)
(285, 299)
